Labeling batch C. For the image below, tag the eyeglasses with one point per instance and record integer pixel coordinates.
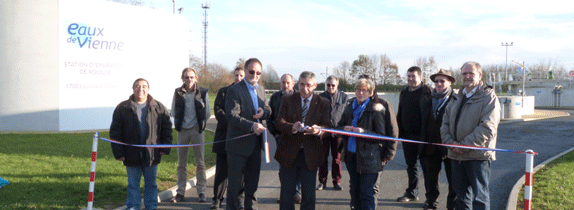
(331, 85)
(440, 81)
(254, 72)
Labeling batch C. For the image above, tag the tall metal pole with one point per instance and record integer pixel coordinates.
(506, 65)
(173, 7)
(205, 5)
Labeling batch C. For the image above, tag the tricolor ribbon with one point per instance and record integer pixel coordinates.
(172, 145)
(379, 137)
(265, 142)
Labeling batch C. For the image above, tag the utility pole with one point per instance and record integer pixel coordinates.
(173, 7)
(505, 44)
(523, 66)
(205, 5)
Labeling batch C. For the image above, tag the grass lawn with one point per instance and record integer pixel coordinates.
(51, 171)
(212, 101)
(553, 185)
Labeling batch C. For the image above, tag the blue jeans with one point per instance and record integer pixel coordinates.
(364, 186)
(133, 199)
(470, 180)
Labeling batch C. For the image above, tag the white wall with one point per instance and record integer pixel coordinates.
(29, 65)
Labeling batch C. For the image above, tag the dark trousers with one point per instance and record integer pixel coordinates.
(470, 181)
(411, 152)
(244, 173)
(364, 186)
(331, 144)
(220, 182)
(289, 176)
(431, 166)
(298, 188)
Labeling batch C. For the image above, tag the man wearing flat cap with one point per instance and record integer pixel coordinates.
(432, 156)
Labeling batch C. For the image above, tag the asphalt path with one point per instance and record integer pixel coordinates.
(548, 137)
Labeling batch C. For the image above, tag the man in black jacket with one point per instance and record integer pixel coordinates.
(409, 120)
(220, 182)
(190, 111)
(432, 110)
(140, 120)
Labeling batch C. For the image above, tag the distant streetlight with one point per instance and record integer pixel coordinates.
(523, 66)
(505, 44)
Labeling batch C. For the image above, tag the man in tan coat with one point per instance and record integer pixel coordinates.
(471, 119)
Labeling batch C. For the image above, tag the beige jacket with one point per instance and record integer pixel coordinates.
(477, 125)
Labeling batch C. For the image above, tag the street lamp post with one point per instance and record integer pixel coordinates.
(505, 44)
(523, 66)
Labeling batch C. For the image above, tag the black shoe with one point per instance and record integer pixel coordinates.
(321, 186)
(431, 206)
(338, 187)
(178, 198)
(202, 198)
(406, 198)
(216, 204)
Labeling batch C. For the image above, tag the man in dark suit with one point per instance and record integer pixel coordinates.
(220, 182)
(300, 150)
(245, 108)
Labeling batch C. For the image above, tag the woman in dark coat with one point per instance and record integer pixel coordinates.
(365, 158)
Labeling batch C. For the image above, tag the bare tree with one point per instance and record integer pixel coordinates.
(195, 62)
(270, 77)
(363, 65)
(428, 65)
(213, 77)
(240, 62)
(342, 71)
(388, 71)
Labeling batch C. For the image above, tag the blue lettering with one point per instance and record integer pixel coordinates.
(72, 27)
(95, 44)
(86, 40)
(82, 30)
(100, 32)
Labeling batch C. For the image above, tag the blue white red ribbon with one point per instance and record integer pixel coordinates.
(379, 137)
(172, 145)
(265, 142)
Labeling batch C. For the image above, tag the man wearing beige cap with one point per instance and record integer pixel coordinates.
(432, 156)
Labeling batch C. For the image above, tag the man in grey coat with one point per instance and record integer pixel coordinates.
(471, 119)
(245, 108)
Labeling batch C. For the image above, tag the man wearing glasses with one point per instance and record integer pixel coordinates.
(432, 110)
(190, 111)
(245, 108)
(338, 100)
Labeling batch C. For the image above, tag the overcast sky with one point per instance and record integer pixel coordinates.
(300, 35)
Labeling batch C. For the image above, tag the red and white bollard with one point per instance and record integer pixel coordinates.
(528, 180)
(93, 171)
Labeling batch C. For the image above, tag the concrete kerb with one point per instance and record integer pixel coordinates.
(171, 192)
(513, 198)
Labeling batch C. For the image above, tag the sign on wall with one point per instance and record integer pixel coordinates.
(104, 47)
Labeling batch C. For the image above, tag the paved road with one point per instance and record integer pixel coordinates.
(547, 137)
